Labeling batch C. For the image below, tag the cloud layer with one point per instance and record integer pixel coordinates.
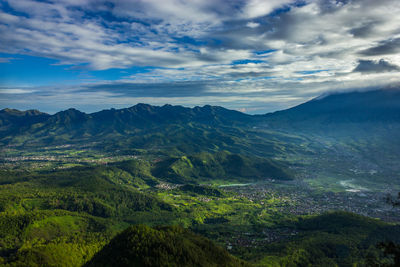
(258, 55)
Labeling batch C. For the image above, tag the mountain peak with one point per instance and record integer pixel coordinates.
(142, 106)
(70, 112)
(69, 116)
(372, 106)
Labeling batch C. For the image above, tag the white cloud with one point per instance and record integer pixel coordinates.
(16, 91)
(251, 24)
(257, 8)
(316, 45)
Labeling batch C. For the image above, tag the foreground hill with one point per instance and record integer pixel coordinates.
(162, 246)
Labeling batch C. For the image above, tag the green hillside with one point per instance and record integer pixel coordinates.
(221, 166)
(335, 239)
(162, 246)
(65, 217)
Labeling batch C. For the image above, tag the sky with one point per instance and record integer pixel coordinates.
(255, 56)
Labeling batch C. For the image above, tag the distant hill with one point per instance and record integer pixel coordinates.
(201, 167)
(379, 107)
(162, 246)
(222, 165)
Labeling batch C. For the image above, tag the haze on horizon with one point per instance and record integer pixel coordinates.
(254, 56)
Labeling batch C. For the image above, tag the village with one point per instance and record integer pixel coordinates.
(296, 198)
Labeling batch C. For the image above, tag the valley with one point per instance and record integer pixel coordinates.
(269, 190)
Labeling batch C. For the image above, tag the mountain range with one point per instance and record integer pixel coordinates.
(346, 107)
(350, 118)
(355, 115)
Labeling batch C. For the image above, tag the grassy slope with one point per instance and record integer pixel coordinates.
(222, 165)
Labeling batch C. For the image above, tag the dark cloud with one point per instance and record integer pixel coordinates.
(184, 89)
(391, 46)
(329, 6)
(251, 74)
(167, 89)
(364, 30)
(370, 66)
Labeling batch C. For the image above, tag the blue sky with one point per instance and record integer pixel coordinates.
(255, 56)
